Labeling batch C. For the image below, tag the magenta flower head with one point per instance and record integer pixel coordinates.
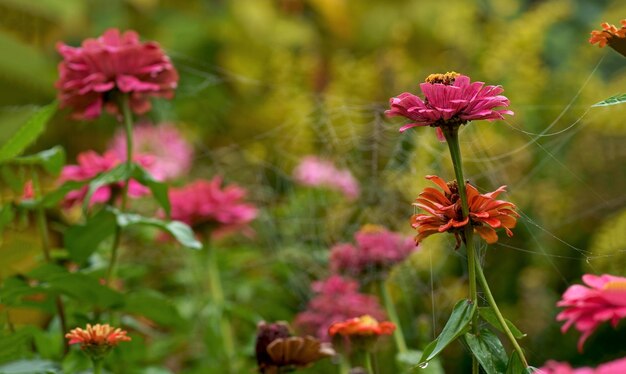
(205, 204)
(91, 75)
(337, 299)
(163, 148)
(586, 307)
(377, 249)
(450, 100)
(315, 172)
(612, 367)
(90, 164)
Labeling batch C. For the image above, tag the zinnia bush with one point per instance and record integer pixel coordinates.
(91, 76)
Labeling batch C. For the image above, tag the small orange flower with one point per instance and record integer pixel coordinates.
(361, 326)
(611, 35)
(444, 212)
(98, 339)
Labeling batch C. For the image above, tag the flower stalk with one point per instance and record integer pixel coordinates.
(398, 336)
(128, 126)
(474, 268)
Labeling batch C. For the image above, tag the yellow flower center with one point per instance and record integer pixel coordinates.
(447, 78)
(368, 320)
(615, 286)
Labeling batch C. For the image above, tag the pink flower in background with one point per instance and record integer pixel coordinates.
(115, 62)
(450, 100)
(376, 249)
(90, 164)
(316, 172)
(613, 367)
(205, 202)
(167, 152)
(586, 307)
(337, 299)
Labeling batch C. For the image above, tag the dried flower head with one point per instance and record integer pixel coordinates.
(90, 76)
(276, 348)
(97, 340)
(207, 203)
(361, 326)
(611, 35)
(586, 307)
(337, 299)
(163, 148)
(450, 100)
(444, 212)
(377, 249)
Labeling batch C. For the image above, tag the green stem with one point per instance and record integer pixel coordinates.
(494, 306)
(368, 362)
(42, 225)
(344, 365)
(393, 316)
(97, 366)
(128, 127)
(452, 138)
(217, 294)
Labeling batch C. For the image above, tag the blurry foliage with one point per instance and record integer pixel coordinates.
(264, 82)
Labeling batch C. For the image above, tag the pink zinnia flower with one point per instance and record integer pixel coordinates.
(444, 212)
(612, 367)
(587, 307)
(376, 249)
(337, 299)
(90, 75)
(205, 202)
(450, 100)
(163, 147)
(90, 164)
(316, 172)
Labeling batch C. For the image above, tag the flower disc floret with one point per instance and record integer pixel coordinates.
(444, 212)
(91, 75)
(450, 100)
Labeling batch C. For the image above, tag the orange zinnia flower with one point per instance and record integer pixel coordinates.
(361, 326)
(611, 35)
(97, 340)
(444, 212)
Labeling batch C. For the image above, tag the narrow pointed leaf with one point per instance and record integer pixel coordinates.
(613, 100)
(179, 230)
(489, 315)
(515, 364)
(52, 160)
(408, 363)
(117, 174)
(455, 327)
(158, 189)
(28, 132)
(488, 350)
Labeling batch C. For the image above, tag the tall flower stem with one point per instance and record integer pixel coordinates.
(452, 138)
(494, 306)
(128, 127)
(42, 226)
(217, 295)
(97, 366)
(398, 336)
(368, 362)
(344, 365)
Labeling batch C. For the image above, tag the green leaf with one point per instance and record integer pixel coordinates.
(488, 350)
(14, 181)
(154, 306)
(52, 160)
(15, 345)
(118, 174)
(81, 287)
(613, 100)
(53, 197)
(6, 216)
(28, 133)
(83, 240)
(488, 314)
(34, 366)
(179, 230)
(456, 326)
(408, 362)
(158, 189)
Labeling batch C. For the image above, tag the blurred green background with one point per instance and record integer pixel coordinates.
(265, 82)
